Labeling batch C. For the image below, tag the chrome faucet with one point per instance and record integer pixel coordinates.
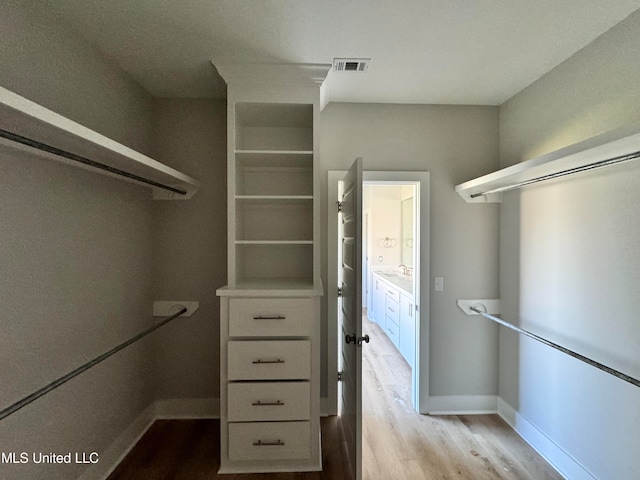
(404, 268)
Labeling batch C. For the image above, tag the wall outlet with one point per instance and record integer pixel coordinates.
(439, 284)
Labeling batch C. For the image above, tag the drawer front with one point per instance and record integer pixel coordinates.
(393, 310)
(268, 401)
(393, 295)
(269, 441)
(392, 331)
(269, 360)
(265, 317)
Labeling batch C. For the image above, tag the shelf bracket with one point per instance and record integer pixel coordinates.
(491, 306)
(163, 308)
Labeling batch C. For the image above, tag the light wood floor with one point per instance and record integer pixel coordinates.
(398, 444)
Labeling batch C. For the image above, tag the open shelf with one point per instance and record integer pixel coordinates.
(284, 221)
(265, 154)
(25, 118)
(274, 173)
(260, 263)
(274, 242)
(272, 199)
(272, 158)
(613, 144)
(267, 127)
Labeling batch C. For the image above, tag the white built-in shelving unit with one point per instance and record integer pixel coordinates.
(270, 309)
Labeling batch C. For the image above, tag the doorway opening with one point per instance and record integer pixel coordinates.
(420, 274)
(391, 282)
(345, 339)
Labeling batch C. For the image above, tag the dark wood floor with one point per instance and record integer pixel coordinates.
(190, 450)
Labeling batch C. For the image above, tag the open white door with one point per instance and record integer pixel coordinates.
(350, 315)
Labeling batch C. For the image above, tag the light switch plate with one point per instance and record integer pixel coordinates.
(439, 284)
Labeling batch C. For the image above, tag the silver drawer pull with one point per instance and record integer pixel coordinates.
(260, 443)
(268, 404)
(270, 317)
(260, 361)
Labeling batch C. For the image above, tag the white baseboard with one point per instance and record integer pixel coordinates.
(187, 408)
(112, 456)
(564, 463)
(160, 409)
(463, 404)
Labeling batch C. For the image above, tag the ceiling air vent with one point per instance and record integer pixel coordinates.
(351, 64)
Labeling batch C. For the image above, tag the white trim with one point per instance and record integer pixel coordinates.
(559, 459)
(463, 404)
(121, 446)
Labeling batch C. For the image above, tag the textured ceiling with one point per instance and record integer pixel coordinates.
(423, 51)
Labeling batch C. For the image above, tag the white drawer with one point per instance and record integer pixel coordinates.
(393, 310)
(264, 317)
(269, 360)
(393, 332)
(393, 295)
(268, 401)
(269, 441)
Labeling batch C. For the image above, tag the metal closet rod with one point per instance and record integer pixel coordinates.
(86, 161)
(65, 378)
(587, 360)
(563, 173)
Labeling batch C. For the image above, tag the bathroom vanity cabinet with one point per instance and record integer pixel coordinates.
(394, 311)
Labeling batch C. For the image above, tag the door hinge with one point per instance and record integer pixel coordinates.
(340, 376)
(340, 292)
(339, 207)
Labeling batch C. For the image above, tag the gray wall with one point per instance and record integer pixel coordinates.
(455, 144)
(190, 245)
(42, 59)
(75, 261)
(570, 267)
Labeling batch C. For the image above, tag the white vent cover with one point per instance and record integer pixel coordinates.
(358, 65)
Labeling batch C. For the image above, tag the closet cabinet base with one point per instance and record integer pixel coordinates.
(270, 381)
